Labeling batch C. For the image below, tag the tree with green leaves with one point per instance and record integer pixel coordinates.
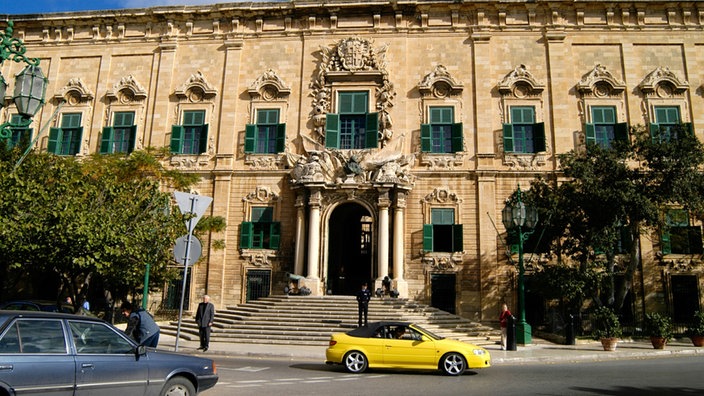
(99, 218)
(605, 199)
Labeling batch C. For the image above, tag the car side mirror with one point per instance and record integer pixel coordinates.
(140, 351)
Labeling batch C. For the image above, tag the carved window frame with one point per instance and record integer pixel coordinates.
(128, 95)
(662, 87)
(77, 98)
(267, 92)
(600, 88)
(442, 198)
(261, 196)
(519, 88)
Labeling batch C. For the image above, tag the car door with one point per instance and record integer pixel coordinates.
(410, 350)
(106, 363)
(35, 359)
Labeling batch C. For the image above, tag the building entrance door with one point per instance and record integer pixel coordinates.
(443, 292)
(349, 250)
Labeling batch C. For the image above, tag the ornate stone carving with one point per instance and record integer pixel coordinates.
(439, 83)
(442, 195)
(353, 59)
(269, 86)
(600, 83)
(196, 89)
(520, 83)
(525, 161)
(663, 83)
(127, 90)
(258, 257)
(442, 262)
(74, 92)
(264, 162)
(435, 161)
(262, 194)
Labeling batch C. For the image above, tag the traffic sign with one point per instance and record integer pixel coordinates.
(193, 204)
(181, 248)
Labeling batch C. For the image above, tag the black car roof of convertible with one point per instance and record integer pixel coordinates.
(368, 330)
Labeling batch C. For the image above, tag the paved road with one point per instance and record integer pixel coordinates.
(676, 375)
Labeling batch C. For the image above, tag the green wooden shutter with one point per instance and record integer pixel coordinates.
(428, 237)
(247, 228)
(666, 244)
(280, 138)
(177, 132)
(655, 132)
(274, 235)
(332, 130)
(133, 138)
(54, 140)
(508, 138)
(250, 131)
(688, 128)
(621, 132)
(106, 140)
(457, 238)
(371, 135)
(78, 139)
(203, 143)
(425, 138)
(590, 133)
(457, 142)
(539, 137)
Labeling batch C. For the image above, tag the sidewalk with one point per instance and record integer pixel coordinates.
(539, 351)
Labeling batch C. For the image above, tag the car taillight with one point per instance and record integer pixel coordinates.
(215, 369)
(333, 342)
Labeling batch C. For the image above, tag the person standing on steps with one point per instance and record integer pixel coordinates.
(204, 317)
(363, 297)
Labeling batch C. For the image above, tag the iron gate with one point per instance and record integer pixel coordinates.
(258, 284)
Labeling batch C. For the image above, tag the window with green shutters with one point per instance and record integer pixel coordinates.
(604, 129)
(667, 125)
(353, 127)
(678, 237)
(261, 232)
(66, 140)
(267, 136)
(120, 137)
(442, 235)
(442, 134)
(19, 135)
(523, 134)
(191, 137)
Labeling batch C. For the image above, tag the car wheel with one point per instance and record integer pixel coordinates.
(355, 362)
(178, 386)
(453, 364)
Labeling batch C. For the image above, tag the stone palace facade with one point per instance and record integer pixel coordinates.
(345, 141)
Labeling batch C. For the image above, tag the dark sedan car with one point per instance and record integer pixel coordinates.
(63, 354)
(36, 305)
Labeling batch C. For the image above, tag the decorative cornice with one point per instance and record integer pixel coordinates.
(439, 83)
(520, 83)
(599, 82)
(127, 90)
(196, 89)
(663, 83)
(269, 86)
(74, 92)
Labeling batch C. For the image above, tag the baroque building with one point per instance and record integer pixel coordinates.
(348, 141)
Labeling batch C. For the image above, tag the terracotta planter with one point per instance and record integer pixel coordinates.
(658, 342)
(609, 344)
(697, 340)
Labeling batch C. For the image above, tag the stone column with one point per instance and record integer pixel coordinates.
(383, 239)
(300, 235)
(399, 248)
(312, 278)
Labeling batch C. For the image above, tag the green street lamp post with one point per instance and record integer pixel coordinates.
(520, 220)
(30, 83)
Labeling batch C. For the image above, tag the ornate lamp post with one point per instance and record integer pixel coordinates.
(520, 220)
(30, 83)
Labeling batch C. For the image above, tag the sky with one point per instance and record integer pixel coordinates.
(15, 7)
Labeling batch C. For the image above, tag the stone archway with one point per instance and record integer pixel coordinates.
(350, 243)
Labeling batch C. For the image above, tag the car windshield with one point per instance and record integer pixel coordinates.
(428, 333)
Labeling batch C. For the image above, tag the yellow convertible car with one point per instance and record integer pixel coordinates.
(403, 345)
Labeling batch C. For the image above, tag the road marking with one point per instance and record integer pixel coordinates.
(253, 369)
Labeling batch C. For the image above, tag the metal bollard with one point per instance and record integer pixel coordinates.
(511, 333)
(569, 331)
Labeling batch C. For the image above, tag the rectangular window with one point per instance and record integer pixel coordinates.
(34, 336)
(67, 139)
(679, 237)
(442, 134)
(191, 137)
(353, 127)
(267, 136)
(121, 136)
(668, 125)
(442, 235)
(523, 134)
(604, 129)
(20, 135)
(261, 232)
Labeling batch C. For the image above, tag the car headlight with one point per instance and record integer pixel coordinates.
(479, 352)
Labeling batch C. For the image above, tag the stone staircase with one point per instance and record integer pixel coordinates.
(308, 320)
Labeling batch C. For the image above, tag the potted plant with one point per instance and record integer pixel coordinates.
(659, 328)
(695, 331)
(606, 327)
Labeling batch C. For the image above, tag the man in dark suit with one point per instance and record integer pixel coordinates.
(363, 297)
(204, 317)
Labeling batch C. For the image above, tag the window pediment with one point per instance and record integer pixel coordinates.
(520, 83)
(196, 89)
(663, 83)
(269, 86)
(599, 82)
(127, 90)
(74, 92)
(439, 83)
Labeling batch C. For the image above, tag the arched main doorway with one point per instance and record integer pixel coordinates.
(349, 249)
